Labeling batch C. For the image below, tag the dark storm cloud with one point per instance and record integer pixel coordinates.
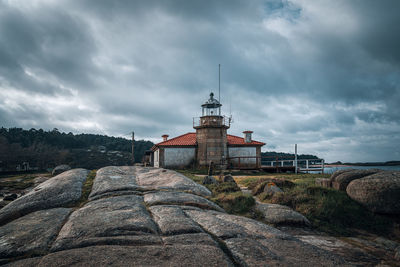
(322, 74)
(44, 41)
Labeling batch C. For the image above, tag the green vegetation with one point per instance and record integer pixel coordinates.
(47, 149)
(328, 210)
(235, 202)
(226, 187)
(272, 155)
(87, 188)
(227, 195)
(195, 176)
(18, 182)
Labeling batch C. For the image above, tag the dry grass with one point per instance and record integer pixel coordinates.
(327, 209)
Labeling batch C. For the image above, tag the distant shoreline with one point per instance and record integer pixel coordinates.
(365, 164)
(336, 165)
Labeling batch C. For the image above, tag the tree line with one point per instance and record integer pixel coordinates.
(271, 155)
(46, 149)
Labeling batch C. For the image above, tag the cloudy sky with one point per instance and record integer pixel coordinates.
(322, 74)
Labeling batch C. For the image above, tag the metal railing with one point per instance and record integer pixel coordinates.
(212, 121)
(304, 165)
(297, 165)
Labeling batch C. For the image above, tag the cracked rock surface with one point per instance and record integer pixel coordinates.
(138, 216)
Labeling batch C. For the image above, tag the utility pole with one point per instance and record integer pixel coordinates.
(295, 158)
(133, 148)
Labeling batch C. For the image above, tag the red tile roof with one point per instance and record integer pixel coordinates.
(189, 139)
(236, 140)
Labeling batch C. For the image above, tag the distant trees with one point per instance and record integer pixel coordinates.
(46, 149)
(284, 156)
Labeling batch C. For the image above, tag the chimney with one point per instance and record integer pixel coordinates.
(165, 137)
(247, 136)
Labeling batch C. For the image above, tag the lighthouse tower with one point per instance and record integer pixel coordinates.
(211, 134)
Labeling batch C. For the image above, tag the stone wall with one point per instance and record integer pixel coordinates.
(212, 145)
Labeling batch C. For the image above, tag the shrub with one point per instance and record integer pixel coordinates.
(237, 203)
(223, 188)
(330, 210)
(258, 187)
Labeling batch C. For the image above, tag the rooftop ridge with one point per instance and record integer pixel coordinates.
(189, 139)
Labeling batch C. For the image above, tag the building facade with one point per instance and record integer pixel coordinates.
(210, 143)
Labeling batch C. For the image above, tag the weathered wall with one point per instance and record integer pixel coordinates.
(178, 157)
(211, 145)
(157, 158)
(243, 152)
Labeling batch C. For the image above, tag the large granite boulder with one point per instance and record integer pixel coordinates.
(60, 169)
(111, 181)
(162, 179)
(281, 215)
(120, 219)
(228, 179)
(120, 255)
(379, 192)
(262, 184)
(59, 191)
(341, 179)
(272, 189)
(32, 233)
(114, 181)
(209, 180)
(173, 221)
(179, 198)
(252, 243)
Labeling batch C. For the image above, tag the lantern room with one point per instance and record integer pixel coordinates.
(211, 107)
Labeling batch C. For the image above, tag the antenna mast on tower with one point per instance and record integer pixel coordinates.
(219, 83)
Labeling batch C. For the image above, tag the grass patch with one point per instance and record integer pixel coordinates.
(328, 209)
(227, 187)
(192, 175)
(227, 195)
(87, 188)
(235, 202)
(19, 182)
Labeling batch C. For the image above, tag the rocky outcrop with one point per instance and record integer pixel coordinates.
(120, 219)
(209, 180)
(131, 180)
(262, 184)
(379, 192)
(281, 215)
(341, 179)
(272, 189)
(59, 191)
(119, 255)
(151, 217)
(228, 179)
(60, 169)
(252, 243)
(179, 198)
(32, 233)
(172, 220)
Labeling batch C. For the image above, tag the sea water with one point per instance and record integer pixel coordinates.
(337, 168)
